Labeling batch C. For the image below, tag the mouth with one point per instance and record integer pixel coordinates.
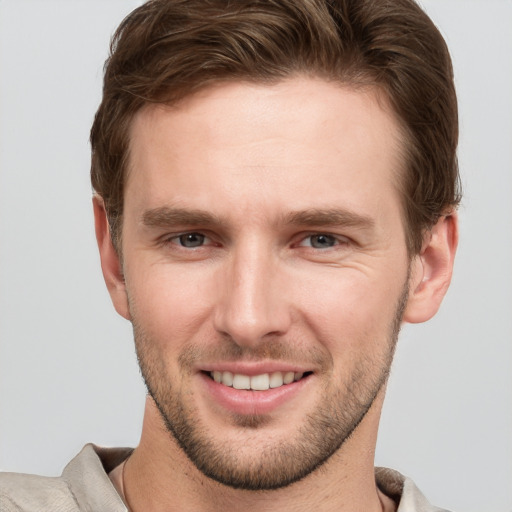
(262, 382)
(250, 390)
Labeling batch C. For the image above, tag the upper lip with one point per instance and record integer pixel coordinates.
(252, 369)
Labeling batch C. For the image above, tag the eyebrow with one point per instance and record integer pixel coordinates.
(165, 216)
(329, 217)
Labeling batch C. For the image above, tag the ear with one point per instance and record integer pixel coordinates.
(110, 261)
(431, 270)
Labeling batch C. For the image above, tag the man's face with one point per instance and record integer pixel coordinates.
(263, 245)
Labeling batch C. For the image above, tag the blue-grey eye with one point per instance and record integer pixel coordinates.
(322, 241)
(191, 240)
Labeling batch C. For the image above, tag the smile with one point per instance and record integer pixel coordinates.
(261, 382)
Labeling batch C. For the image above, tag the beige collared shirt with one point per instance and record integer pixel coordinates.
(85, 486)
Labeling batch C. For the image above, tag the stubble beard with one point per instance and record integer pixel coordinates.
(275, 464)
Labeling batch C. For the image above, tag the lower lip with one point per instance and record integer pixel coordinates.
(248, 402)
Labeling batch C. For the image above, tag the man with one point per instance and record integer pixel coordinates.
(275, 192)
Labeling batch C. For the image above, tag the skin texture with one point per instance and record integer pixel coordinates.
(297, 260)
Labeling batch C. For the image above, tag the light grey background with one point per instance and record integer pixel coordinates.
(68, 374)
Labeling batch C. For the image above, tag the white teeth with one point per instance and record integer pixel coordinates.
(288, 377)
(241, 381)
(276, 380)
(260, 382)
(227, 378)
(257, 382)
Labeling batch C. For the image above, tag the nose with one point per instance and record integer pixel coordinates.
(253, 303)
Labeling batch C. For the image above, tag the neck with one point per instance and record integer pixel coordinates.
(159, 476)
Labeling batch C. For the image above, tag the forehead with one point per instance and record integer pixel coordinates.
(303, 142)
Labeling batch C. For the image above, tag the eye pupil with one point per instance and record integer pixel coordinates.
(191, 240)
(322, 241)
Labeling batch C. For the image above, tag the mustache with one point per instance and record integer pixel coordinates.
(227, 350)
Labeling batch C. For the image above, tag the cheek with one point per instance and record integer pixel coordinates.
(167, 304)
(352, 310)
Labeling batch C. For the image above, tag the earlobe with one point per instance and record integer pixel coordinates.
(431, 270)
(110, 261)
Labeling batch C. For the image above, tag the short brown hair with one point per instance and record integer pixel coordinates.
(168, 49)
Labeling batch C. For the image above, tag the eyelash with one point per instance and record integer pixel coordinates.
(175, 239)
(337, 240)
